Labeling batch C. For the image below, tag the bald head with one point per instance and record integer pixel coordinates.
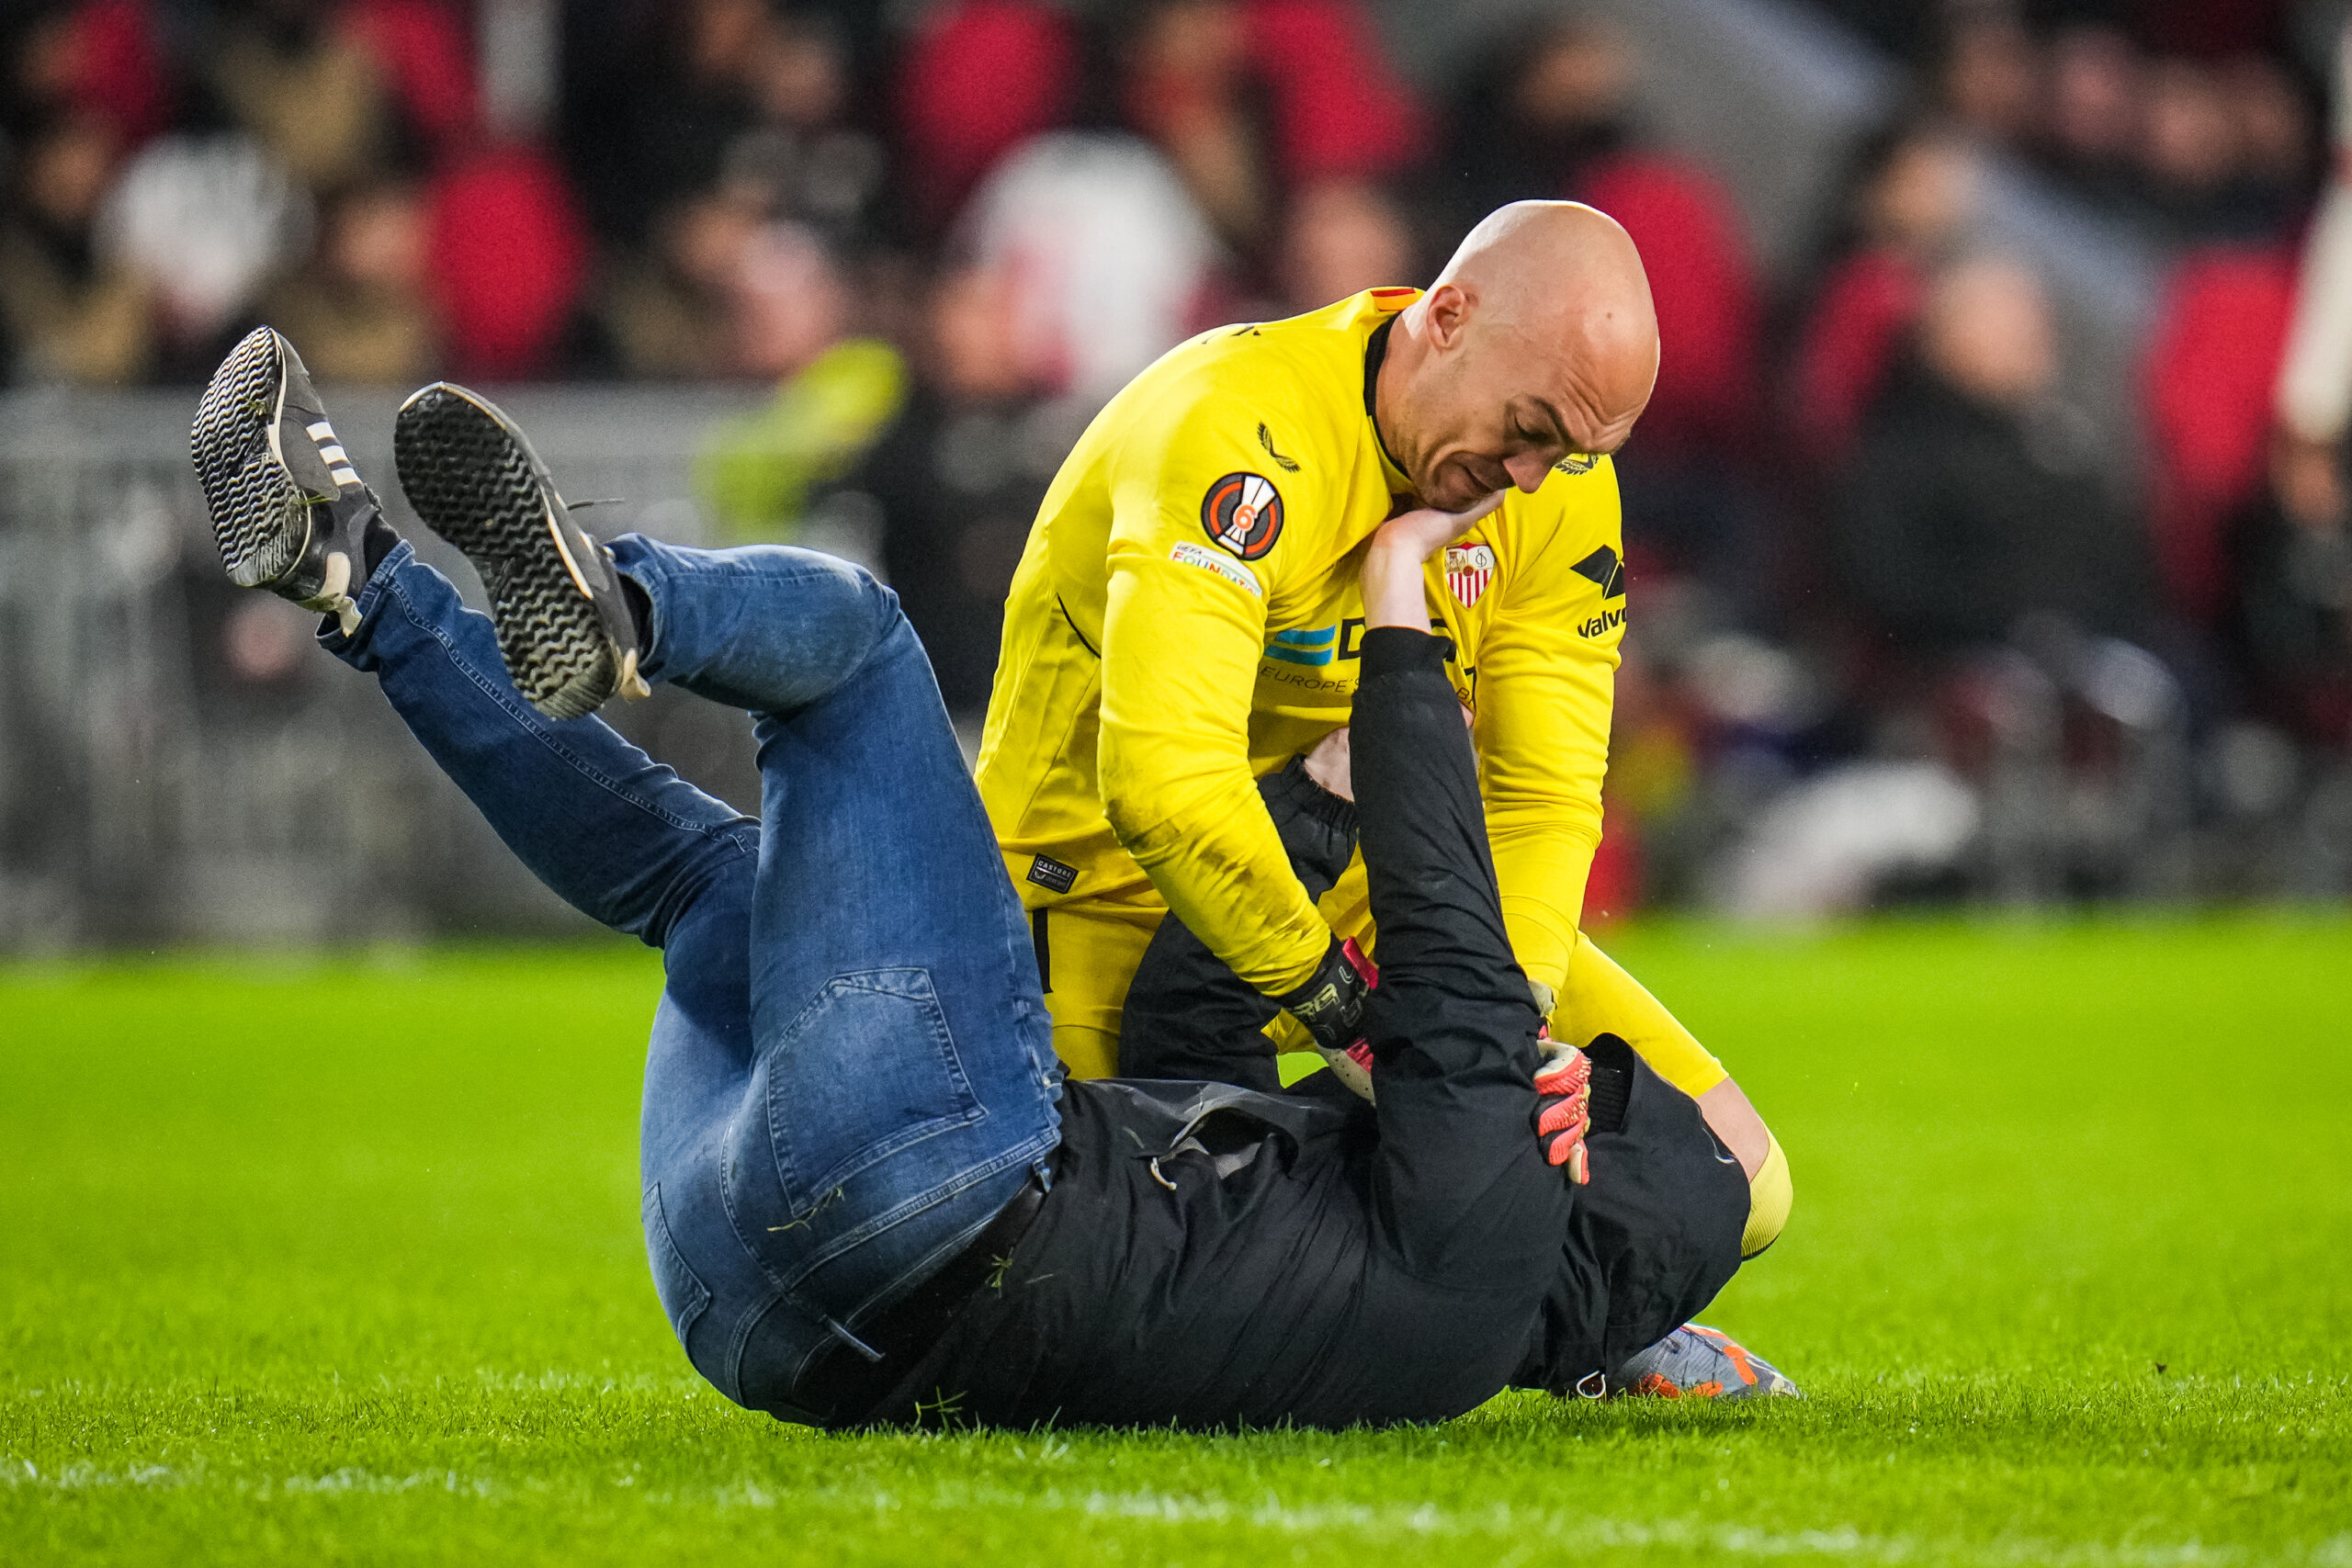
(1537, 342)
(1566, 281)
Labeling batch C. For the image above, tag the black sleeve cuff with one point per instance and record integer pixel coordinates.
(1390, 650)
(1318, 828)
(1291, 794)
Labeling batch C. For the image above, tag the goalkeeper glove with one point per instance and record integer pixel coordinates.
(1329, 1006)
(1564, 1108)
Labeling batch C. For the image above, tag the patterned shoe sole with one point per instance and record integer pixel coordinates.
(473, 480)
(261, 518)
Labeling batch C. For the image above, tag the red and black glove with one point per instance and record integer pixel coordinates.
(1329, 1006)
(1564, 1108)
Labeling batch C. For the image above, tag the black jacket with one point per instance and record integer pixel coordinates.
(1213, 1254)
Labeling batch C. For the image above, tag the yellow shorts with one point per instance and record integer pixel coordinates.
(1087, 954)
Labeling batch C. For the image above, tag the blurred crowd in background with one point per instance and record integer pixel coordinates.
(1921, 606)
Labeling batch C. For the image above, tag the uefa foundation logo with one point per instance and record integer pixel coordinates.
(1243, 514)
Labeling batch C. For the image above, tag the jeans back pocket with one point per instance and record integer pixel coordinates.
(866, 1071)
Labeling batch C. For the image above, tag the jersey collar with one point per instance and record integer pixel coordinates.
(1376, 352)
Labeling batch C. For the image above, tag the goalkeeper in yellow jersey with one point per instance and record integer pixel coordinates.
(1187, 616)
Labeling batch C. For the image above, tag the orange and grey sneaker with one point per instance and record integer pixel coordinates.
(1699, 1363)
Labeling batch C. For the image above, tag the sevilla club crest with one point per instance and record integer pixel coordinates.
(1243, 513)
(1468, 569)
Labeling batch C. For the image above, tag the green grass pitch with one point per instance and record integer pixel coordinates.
(339, 1262)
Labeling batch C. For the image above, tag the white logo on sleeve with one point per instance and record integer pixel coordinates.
(1187, 553)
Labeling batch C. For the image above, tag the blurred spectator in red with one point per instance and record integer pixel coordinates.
(1340, 237)
(958, 477)
(1337, 107)
(67, 313)
(360, 312)
(97, 60)
(420, 51)
(980, 78)
(508, 254)
(1556, 121)
(1910, 209)
(1974, 500)
(309, 91)
(2209, 381)
(1703, 281)
(1529, 121)
(1254, 98)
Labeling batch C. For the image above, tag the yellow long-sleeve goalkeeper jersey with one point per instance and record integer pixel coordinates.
(1186, 617)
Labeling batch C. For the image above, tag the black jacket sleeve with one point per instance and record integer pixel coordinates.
(1188, 1015)
(1462, 1193)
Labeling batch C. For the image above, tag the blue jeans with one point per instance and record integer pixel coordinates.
(852, 1069)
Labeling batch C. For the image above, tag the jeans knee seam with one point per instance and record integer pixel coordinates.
(687, 887)
(539, 731)
(654, 568)
(897, 617)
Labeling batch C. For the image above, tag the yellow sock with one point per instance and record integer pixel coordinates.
(1769, 1197)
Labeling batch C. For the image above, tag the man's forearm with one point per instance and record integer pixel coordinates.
(1188, 1014)
(1173, 768)
(1542, 872)
(1459, 1181)
(1432, 883)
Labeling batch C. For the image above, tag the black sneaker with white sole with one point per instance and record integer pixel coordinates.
(568, 635)
(289, 510)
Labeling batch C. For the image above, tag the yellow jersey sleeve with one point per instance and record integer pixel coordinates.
(1206, 527)
(1546, 683)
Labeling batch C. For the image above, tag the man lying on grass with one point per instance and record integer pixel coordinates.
(869, 1194)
